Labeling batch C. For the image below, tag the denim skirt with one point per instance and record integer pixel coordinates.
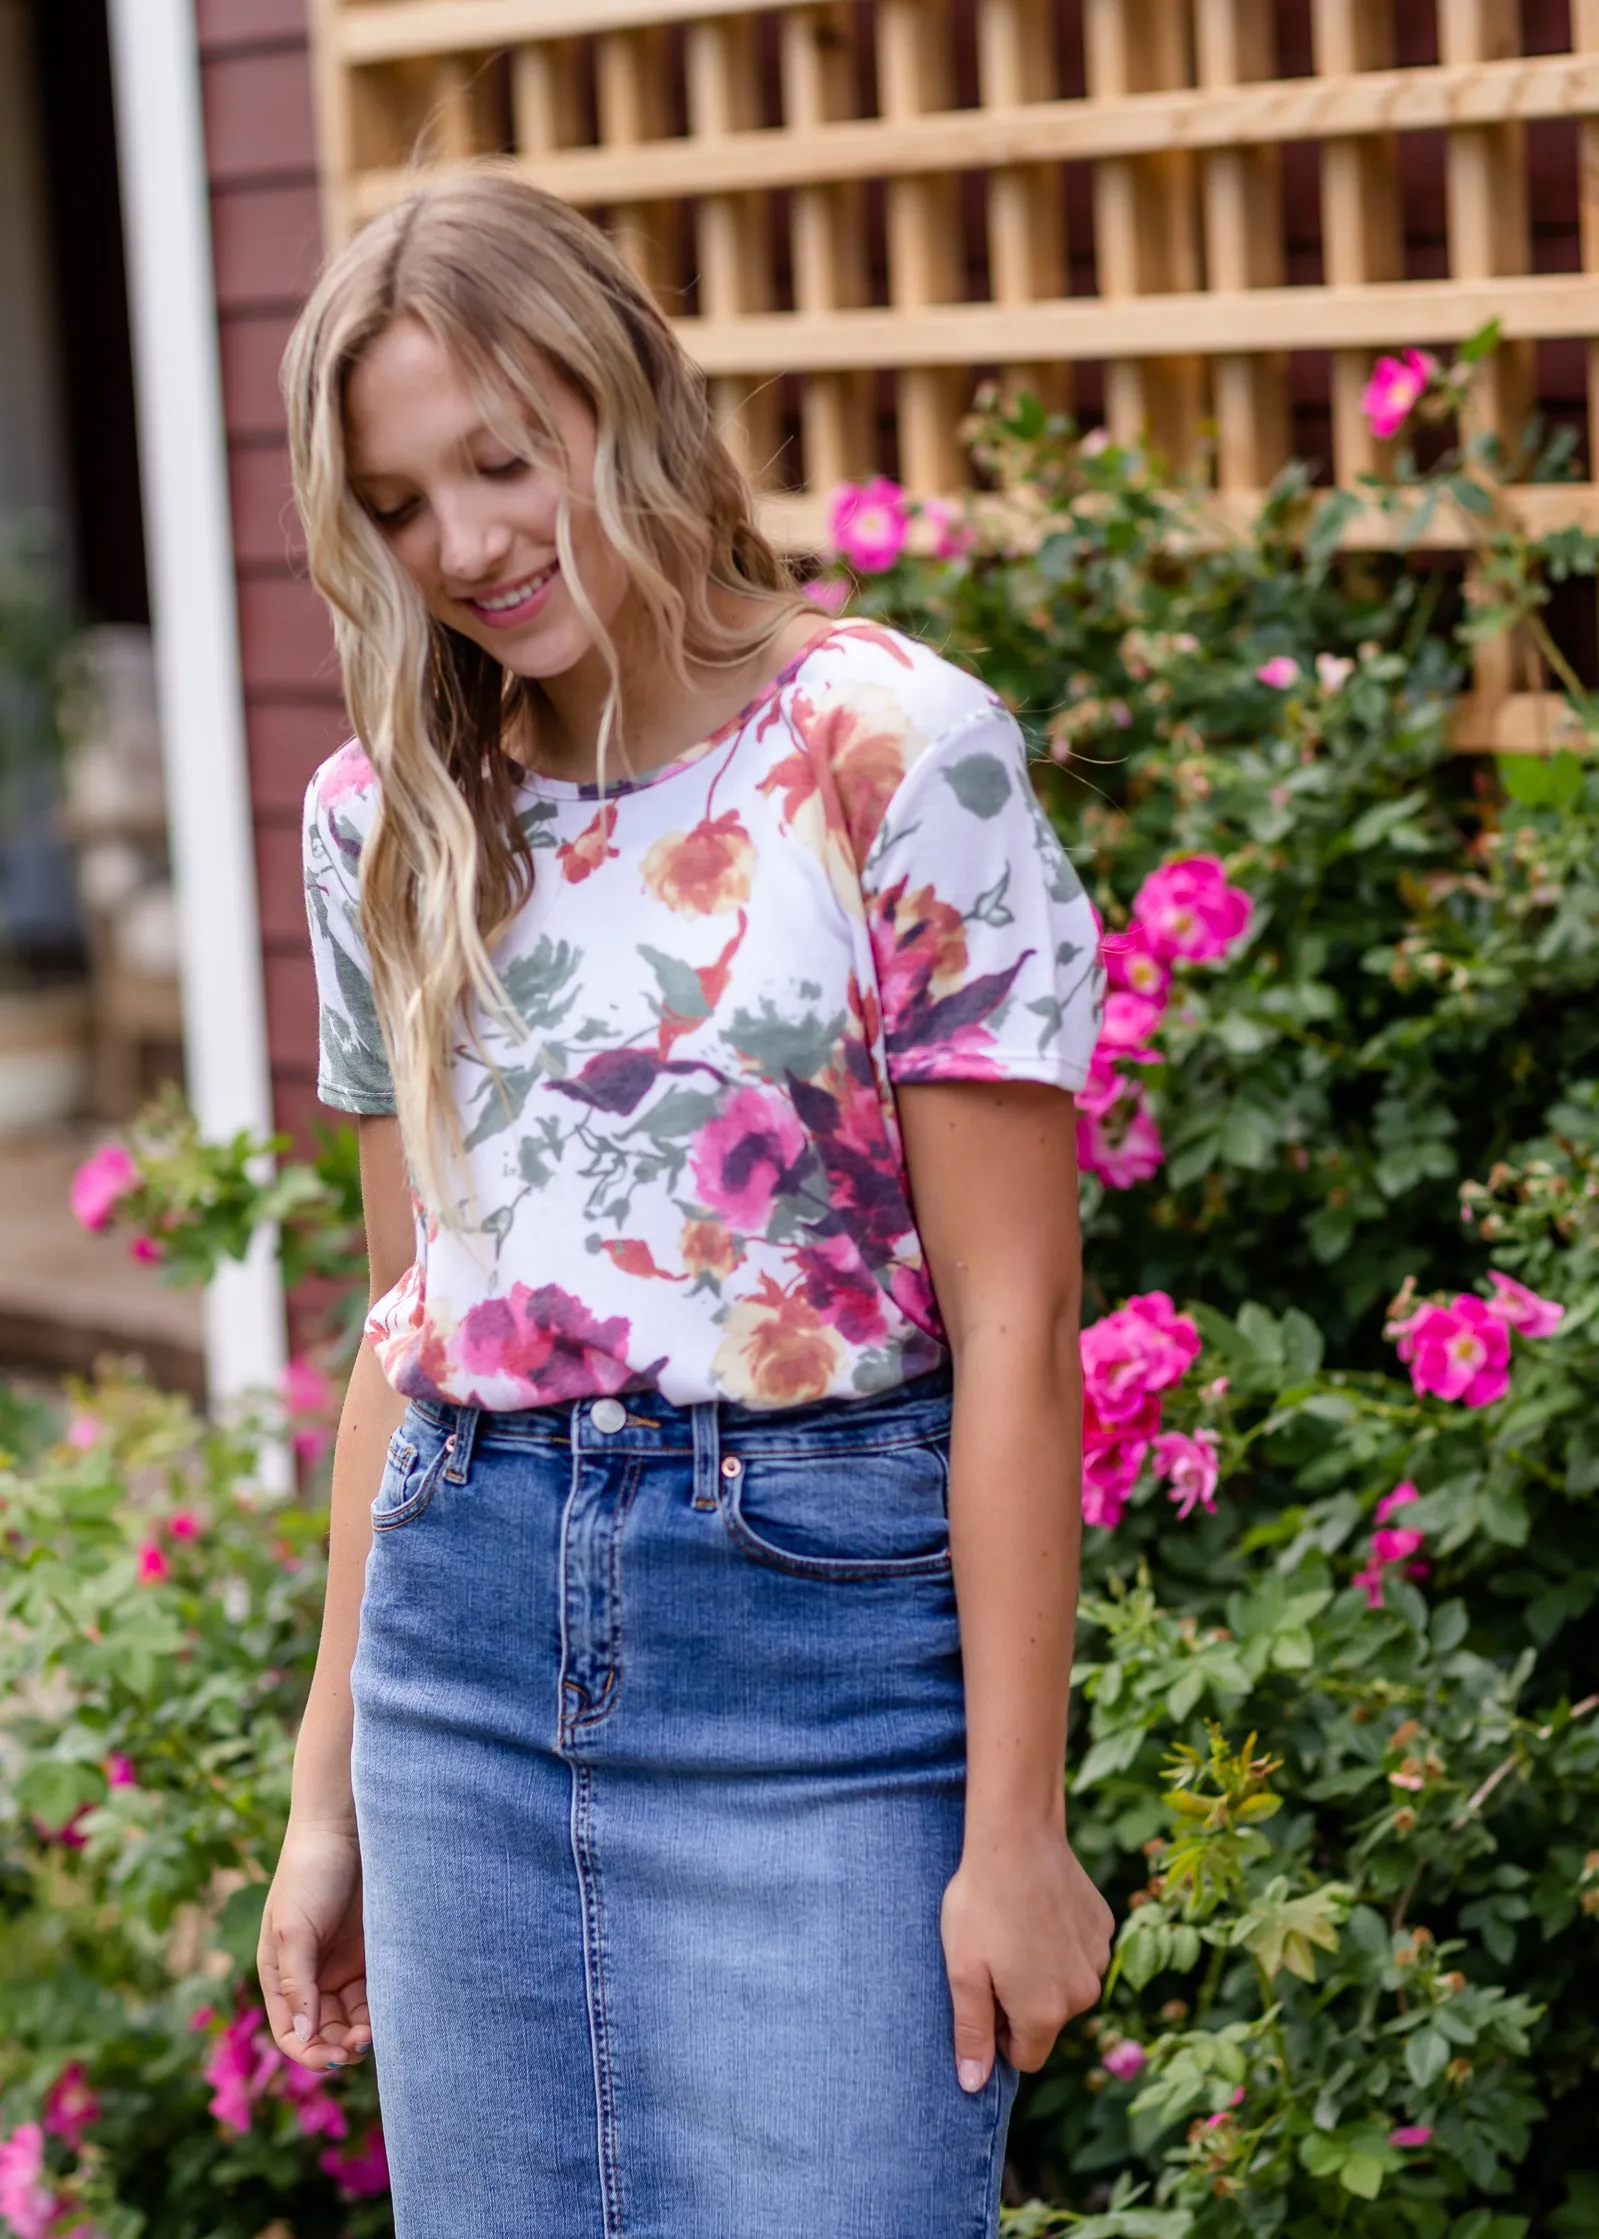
(659, 1768)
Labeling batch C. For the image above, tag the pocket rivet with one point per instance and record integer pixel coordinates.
(731, 1467)
(449, 1443)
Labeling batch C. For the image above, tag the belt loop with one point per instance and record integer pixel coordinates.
(465, 1437)
(707, 1451)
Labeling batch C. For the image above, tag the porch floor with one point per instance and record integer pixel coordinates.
(67, 1296)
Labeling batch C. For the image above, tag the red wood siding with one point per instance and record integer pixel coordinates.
(266, 240)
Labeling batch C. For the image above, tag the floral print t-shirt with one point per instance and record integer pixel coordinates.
(689, 1176)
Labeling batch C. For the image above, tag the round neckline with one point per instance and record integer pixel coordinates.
(572, 789)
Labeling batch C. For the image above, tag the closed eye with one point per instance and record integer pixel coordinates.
(503, 470)
(392, 517)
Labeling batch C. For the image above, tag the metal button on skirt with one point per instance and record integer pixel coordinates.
(659, 1760)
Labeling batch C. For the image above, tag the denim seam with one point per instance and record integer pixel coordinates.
(415, 1504)
(984, 2226)
(843, 1568)
(604, 1702)
(586, 1867)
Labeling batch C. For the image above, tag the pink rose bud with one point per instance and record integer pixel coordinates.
(100, 1182)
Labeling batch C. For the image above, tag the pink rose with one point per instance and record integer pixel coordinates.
(1459, 1351)
(71, 2106)
(1410, 2133)
(242, 2063)
(1124, 2059)
(828, 592)
(1401, 1497)
(146, 1250)
(1396, 387)
(1193, 1467)
(1141, 1349)
(364, 2174)
(183, 1524)
(1132, 961)
(1121, 1153)
(1523, 1309)
(1188, 909)
(100, 1182)
(317, 2112)
(1110, 1471)
(953, 536)
(153, 1565)
(1333, 671)
(1279, 672)
(1129, 1021)
(25, 2202)
(119, 1770)
(83, 1432)
(742, 1158)
(307, 1392)
(868, 523)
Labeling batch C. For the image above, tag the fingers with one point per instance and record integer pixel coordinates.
(972, 1992)
(287, 1958)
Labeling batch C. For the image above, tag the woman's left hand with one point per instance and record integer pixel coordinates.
(1026, 1944)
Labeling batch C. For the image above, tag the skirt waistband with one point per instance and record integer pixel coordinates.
(649, 1422)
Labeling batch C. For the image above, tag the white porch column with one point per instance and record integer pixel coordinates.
(183, 463)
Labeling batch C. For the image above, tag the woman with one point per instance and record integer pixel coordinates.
(684, 1790)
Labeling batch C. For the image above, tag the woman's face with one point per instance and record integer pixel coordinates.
(471, 519)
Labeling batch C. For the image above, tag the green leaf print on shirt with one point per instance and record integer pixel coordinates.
(680, 983)
(535, 982)
(777, 1045)
(980, 783)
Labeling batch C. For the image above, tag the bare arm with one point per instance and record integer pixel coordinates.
(311, 1958)
(994, 1177)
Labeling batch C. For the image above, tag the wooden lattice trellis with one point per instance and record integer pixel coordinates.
(855, 207)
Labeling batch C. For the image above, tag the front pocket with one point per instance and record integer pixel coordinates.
(408, 1482)
(878, 1512)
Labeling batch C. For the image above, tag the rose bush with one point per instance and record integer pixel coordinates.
(1336, 1751)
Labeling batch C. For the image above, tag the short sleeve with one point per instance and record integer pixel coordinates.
(986, 946)
(353, 1068)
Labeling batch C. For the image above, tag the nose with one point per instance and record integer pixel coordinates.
(472, 543)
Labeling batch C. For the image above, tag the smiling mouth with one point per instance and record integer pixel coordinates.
(504, 602)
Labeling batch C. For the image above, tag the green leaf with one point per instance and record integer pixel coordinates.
(1362, 2174)
(1426, 2056)
(1482, 344)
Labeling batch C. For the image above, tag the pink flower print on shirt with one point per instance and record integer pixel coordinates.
(776, 1350)
(348, 772)
(704, 872)
(742, 1158)
(839, 1285)
(577, 858)
(855, 750)
(547, 1341)
(710, 1249)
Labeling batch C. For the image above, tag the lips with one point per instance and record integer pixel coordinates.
(517, 600)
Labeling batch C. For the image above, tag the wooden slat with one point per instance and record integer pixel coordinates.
(1487, 203)
(383, 29)
(828, 236)
(798, 520)
(630, 76)
(1243, 249)
(734, 232)
(1145, 213)
(1062, 131)
(1026, 207)
(1360, 217)
(1513, 723)
(914, 69)
(1424, 311)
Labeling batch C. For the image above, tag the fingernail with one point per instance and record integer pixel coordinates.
(335, 2063)
(971, 2075)
(302, 2027)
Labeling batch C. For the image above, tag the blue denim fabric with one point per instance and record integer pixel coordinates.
(659, 1761)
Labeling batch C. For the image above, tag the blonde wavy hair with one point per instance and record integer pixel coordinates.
(513, 283)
